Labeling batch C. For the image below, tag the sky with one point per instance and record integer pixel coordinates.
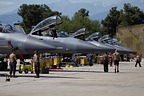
(11, 5)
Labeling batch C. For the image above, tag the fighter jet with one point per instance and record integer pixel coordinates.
(76, 34)
(11, 39)
(62, 44)
(116, 42)
(91, 40)
(110, 42)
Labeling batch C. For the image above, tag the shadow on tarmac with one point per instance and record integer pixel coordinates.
(88, 71)
(32, 76)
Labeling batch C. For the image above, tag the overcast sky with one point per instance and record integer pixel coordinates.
(10, 5)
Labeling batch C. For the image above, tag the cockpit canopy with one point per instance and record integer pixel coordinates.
(7, 28)
(109, 40)
(80, 32)
(63, 34)
(93, 36)
(104, 39)
(46, 23)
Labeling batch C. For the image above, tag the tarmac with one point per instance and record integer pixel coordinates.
(78, 81)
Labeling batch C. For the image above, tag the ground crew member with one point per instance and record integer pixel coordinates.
(13, 63)
(36, 63)
(90, 58)
(116, 58)
(106, 62)
(110, 59)
(138, 60)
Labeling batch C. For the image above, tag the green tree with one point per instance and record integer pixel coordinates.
(131, 15)
(33, 14)
(94, 26)
(66, 25)
(81, 20)
(111, 22)
(78, 21)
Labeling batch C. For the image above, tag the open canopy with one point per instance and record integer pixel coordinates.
(47, 23)
(6, 28)
(93, 36)
(80, 32)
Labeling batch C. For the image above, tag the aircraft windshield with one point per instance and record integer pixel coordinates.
(81, 31)
(7, 29)
(116, 42)
(46, 23)
(104, 38)
(93, 36)
(63, 34)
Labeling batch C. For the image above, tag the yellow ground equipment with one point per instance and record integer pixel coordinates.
(48, 63)
(56, 61)
(26, 67)
(83, 60)
(100, 59)
(42, 63)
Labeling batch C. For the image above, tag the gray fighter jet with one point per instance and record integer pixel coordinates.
(116, 42)
(110, 42)
(91, 40)
(62, 44)
(76, 34)
(11, 39)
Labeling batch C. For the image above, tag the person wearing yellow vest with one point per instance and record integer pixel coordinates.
(13, 62)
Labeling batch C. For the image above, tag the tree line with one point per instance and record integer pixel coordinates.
(129, 15)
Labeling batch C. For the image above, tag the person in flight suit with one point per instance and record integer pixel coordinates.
(13, 62)
(36, 63)
(106, 62)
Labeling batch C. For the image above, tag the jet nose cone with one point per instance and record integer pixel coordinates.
(132, 51)
(127, 50)
(84, 47)
(36, 44)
